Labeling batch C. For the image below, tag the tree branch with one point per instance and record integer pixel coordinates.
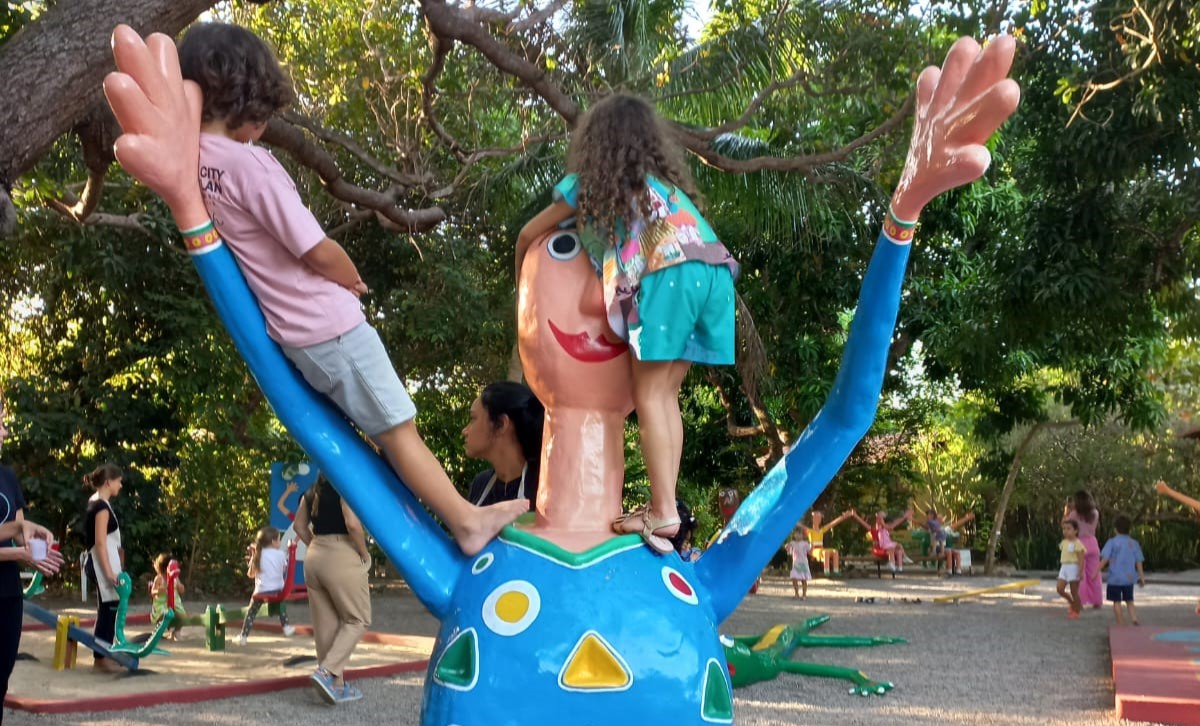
(79, 209)
(448, 22)
(283, 135)
(408, 181)
(804, 163)
(452, 23)
(441, 48)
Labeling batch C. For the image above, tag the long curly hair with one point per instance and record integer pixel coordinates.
(237, 71)
(618, 143)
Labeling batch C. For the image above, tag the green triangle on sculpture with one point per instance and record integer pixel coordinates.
(457, 665)
(718, 700)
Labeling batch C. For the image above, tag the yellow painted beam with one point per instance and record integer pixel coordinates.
(65, 649)
(1019, 585)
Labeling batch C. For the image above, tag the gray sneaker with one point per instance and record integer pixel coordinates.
(347, 693)
(323, 684)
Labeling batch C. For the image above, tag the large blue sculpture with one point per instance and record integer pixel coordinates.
(559, 620)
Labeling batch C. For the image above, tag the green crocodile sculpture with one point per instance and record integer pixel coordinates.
(755, 658)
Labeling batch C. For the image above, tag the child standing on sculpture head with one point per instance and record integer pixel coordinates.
(667, 279)
(268, 567)
(307, 286)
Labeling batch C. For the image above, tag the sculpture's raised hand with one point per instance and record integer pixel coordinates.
(959, 106)
(159, 114)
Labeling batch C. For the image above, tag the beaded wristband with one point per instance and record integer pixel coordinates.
(200, 238)
(897, 230)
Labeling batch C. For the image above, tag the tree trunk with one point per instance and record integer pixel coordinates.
(1010, 483)
(52, 69)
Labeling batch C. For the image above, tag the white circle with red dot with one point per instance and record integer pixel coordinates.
(678, 586)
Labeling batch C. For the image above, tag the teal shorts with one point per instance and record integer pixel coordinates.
(685, 312)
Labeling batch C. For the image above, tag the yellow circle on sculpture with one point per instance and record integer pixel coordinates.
(512, 606)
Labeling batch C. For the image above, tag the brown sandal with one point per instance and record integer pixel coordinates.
(650, 525)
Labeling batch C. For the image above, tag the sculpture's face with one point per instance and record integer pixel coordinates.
(729, 500)
(572, 359)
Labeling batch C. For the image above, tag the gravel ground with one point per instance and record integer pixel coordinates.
(1011, 660)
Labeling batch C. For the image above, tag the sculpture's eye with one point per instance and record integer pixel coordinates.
(564, 246)
(512, 607)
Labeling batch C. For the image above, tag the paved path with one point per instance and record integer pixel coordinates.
(1008, 660)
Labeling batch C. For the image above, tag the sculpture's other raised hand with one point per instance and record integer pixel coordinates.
(959, 106)
(159, 114)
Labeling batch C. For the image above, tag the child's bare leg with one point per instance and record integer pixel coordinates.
(660, 428)
(472, 527)
(1117, 613)
(1132, 612)
(795, 587)
(804, 589)
(1062, 592)
(1076, 603)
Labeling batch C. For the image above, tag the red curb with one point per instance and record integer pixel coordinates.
(139, 619)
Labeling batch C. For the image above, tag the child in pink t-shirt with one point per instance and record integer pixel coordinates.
(305, 283)
(799, 548)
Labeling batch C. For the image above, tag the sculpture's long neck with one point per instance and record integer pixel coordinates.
(582, 475)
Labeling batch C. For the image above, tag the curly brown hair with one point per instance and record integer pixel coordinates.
(239, 75)
(618, 143)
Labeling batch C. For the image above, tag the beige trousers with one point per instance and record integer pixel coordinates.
(339, 599)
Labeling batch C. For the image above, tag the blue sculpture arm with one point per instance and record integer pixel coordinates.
(770, 512)
(424, 554)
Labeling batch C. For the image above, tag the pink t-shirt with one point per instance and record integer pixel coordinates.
(256, 208)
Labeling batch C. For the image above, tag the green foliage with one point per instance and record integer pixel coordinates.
(1118, 466)
(14, 16)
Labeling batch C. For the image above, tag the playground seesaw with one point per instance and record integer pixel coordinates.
(68, 634)
(1018, 585)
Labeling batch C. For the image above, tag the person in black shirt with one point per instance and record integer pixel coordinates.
(102, 538)
(505, 429)
(336, 570)
(16, 551)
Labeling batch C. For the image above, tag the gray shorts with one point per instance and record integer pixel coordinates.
(354, 370)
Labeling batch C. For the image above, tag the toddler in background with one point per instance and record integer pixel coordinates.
(1071, 553)
(158, 595)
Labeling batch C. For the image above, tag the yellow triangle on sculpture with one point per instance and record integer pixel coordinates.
(595, 666)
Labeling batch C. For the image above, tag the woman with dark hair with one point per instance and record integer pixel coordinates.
(17, 536)
(505, 429)
(1082, 509)
(337, 571)
(105, 561)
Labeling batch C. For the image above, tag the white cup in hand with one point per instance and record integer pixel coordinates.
(37, 548)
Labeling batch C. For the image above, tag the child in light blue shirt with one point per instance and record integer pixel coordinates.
(1123, 557)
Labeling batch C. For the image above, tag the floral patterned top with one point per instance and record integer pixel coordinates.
(676, 232)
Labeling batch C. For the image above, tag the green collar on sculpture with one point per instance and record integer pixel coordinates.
(553, 552)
